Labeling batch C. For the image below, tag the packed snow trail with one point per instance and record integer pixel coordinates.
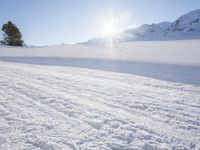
(61, 108)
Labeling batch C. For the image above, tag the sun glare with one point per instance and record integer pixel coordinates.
(110, 28)
(110, 31)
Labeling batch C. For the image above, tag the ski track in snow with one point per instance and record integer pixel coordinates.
(61, 108)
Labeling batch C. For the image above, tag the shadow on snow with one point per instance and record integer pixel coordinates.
(167, 72)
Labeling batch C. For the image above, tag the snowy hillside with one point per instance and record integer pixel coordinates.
(145, 32)
(54, 108)
(131, 96)
(184, 52)
(177, 61)
(185, 27)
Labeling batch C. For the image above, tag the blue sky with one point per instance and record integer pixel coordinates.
(48, 22)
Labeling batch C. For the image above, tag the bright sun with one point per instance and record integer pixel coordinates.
(110, 28)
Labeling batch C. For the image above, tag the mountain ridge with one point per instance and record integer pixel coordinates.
(184, 27)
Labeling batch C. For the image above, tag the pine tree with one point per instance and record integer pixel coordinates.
(12, 35)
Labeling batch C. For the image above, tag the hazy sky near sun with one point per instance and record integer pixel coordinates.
(48, 22)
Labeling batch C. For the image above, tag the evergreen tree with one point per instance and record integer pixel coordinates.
(12, 35)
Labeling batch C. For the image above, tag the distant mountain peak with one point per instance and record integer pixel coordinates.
(186, 26)
(188, 22)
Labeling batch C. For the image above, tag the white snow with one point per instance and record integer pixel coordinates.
(134, 96)
(48, 107)
(185, 27)
(185, 52)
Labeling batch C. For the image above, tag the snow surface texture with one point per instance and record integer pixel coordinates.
(131, 96)
(54, 108)
(185, 27)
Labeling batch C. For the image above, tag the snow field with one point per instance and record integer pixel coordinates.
(55, 108)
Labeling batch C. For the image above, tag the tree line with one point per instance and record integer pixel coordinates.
(11, 35)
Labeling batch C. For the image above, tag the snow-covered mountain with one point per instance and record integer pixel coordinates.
(146, 32)
(185, 27)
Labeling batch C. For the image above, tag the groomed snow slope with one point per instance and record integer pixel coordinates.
(132, 96)
(52, 107)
